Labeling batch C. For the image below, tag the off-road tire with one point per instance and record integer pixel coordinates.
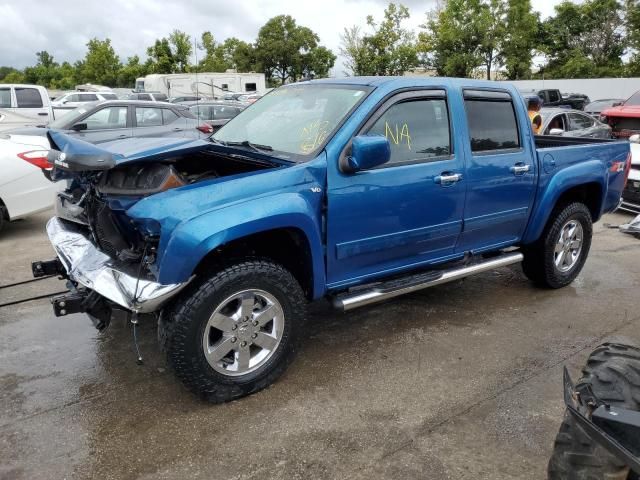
(181, 326)
(613, 372)
(538, 264)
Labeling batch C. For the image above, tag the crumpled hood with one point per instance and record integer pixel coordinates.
(118, 152)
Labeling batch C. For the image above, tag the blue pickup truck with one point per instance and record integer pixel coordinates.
(357, 190)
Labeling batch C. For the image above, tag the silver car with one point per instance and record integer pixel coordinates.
(572, 123)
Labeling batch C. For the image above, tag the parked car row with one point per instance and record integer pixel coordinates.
(24, 190)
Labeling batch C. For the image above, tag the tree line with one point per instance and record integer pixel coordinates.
(299, 56)
(458, 38)
(473, 38)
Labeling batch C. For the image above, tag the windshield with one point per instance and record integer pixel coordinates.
(295, 120)
(633, 100)
(68, 119)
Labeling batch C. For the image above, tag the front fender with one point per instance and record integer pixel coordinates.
(192, 240)
(591, 171)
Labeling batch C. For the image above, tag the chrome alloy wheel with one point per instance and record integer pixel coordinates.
(569, 246)
(243, 332)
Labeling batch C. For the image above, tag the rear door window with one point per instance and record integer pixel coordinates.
(109, 96)
(418, 130)
(223, 112)
(160, 97)
(144, 96)
(168, 116)
(28, 98)
(553, 96)
(148, 117)
(580, 122)
(5, 98)
(492, 123)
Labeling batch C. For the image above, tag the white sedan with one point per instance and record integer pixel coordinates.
(24, 190)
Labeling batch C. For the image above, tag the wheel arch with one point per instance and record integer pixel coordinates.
(268, 229)
(584, 183)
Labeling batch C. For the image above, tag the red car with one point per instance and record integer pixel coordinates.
(624, 119)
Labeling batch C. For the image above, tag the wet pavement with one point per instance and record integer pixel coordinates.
(462, 381)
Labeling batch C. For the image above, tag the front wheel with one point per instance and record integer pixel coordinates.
(237, 332)
(557, 258)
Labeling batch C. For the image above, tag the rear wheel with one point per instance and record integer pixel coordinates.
(613, 372)
(237, 332)
(557, 258)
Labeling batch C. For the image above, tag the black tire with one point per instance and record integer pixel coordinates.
(539, 265)
(4, 216)
(613, 372)
(181, 329)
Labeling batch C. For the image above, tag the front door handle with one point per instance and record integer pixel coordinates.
(122, 136)
(520, 169)
(447, 178)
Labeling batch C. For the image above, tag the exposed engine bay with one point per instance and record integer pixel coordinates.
(98, 199)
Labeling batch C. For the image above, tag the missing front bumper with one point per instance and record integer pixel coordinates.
(88, 266)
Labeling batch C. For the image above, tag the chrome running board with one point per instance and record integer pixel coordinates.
(380, 292)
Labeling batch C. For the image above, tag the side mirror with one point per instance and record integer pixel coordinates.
(617, 104)
(79, 126)
(366, 152)
(556, 131)
(635, 138)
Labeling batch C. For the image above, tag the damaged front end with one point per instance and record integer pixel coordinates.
(108, 256)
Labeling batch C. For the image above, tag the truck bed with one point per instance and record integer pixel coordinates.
(549, 141)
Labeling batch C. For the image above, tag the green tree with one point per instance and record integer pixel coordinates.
(521, 29)
(493, 32)
(161, 58)
(353, 48)
(389, 49)
(632, 26)
(43, 72)
(14, 76)
(212, 60)
(130, 71)
(453, 36)
(237, 54)
(282, 50)
(181, 50)
(101, 64)
(584, 39)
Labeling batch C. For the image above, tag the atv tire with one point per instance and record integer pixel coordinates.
(613, 372)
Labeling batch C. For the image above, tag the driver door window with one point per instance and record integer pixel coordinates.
(557, 122)
(580, 122)
(418, 131)
(107, 118)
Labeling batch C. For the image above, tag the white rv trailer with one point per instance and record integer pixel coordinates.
(206, 83)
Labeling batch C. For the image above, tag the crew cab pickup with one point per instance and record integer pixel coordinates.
(24, 105)
(553, 98)
(357, 190)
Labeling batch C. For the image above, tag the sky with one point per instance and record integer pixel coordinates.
(63, 27)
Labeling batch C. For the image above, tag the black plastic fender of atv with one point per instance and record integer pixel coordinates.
(616, 429)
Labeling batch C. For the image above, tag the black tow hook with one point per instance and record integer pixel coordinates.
(84, 301)
(48, 268)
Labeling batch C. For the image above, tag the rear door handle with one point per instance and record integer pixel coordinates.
(122, 136)
(43, 114)
(520, 169)
(447, 178)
